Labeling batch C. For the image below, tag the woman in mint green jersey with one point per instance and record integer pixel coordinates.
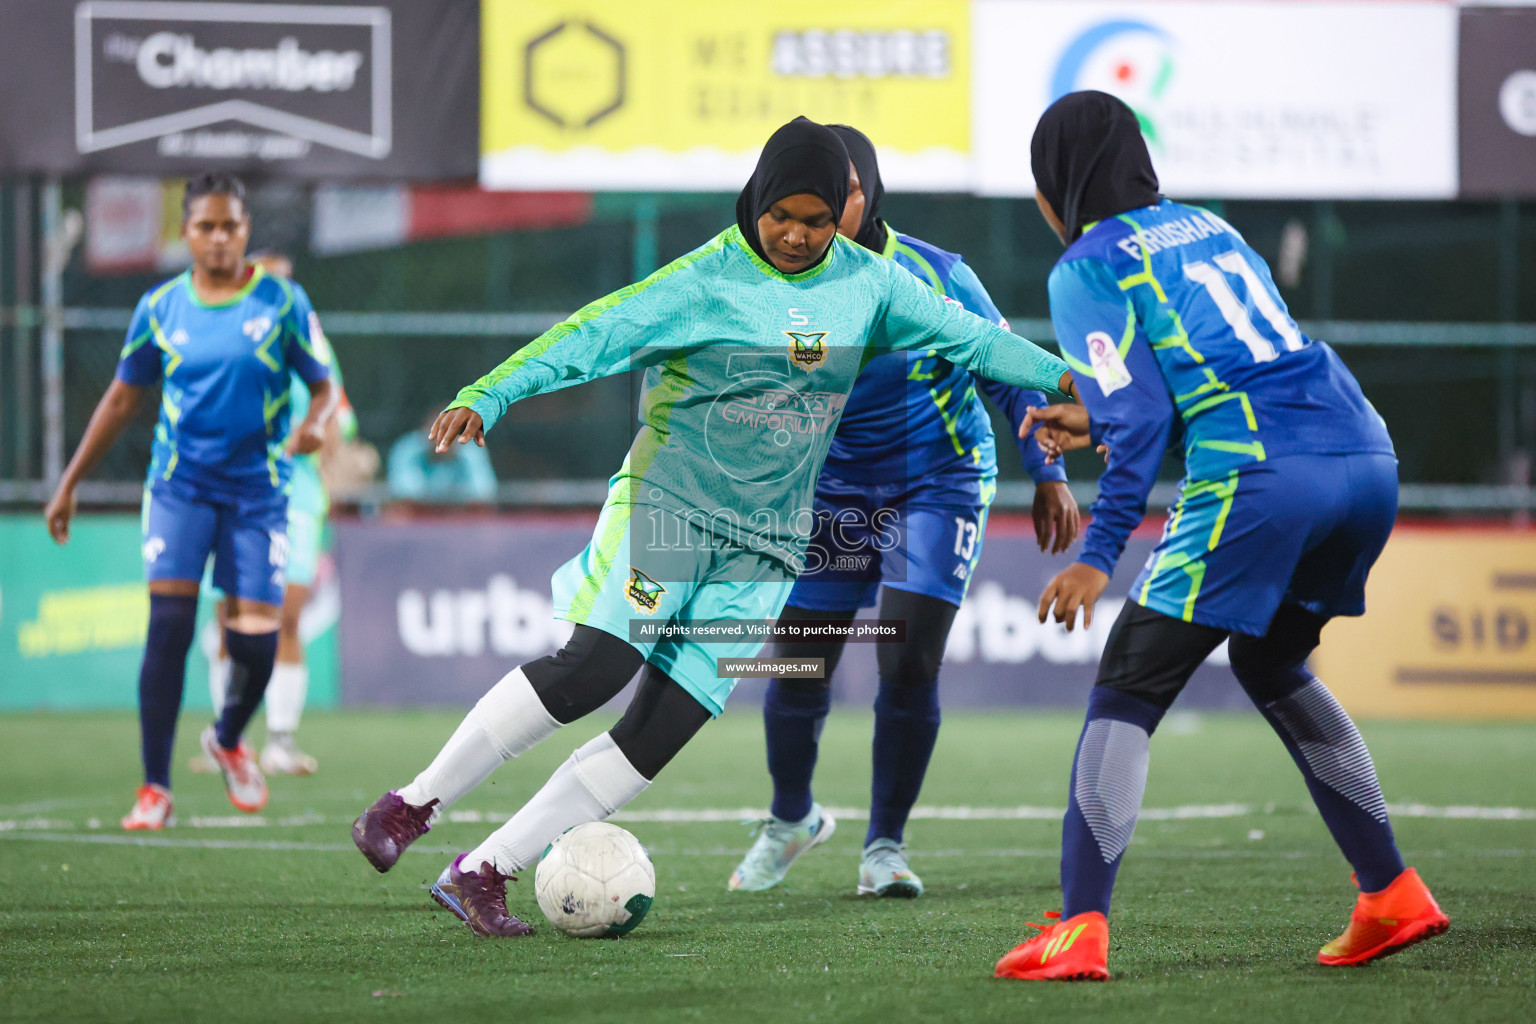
(749, 345)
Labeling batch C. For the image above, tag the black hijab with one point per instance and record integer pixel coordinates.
(801, 157)
(862, 152)
(1090, 161)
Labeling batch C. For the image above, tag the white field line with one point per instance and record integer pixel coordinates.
(45, 806)
(1462, 811)
(14, 826)
(1253, 851)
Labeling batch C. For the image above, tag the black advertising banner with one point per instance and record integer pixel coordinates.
(1497, 101)
(433, 613)
(388, 89)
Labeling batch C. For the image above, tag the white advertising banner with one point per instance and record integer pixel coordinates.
(1236, 99)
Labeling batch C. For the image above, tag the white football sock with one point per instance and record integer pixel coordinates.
(505, 722)
(285, 696)
(218, 682)
(593, 783)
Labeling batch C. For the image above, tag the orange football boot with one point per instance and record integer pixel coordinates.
(1076, 949)
(1384, 922)
(152, 809)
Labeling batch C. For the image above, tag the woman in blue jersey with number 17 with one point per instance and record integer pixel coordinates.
(220, 339)
(1165, 313)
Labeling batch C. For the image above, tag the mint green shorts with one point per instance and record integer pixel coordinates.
(307, 508)
(675, 571)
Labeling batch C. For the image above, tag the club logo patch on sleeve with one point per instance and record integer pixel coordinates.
(809, 350)
(1108, 368)
(318, 341)
(642, 592)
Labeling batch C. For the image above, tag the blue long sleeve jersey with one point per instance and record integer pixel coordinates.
(939, 423)
(1166, 311)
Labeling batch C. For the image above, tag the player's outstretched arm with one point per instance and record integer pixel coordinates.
(1126, 405)
(461, 424)
(113, 414)
(642, 324)
(914, 317)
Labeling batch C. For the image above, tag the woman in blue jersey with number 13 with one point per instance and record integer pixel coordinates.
(220, 339)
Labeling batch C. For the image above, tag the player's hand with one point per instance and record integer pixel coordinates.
(307, 438)
(1076, 586)
(1058, 428)
(58, 513)
(1055, 515)
(456, 424)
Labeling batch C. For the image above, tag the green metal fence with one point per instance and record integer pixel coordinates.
(1433, 305)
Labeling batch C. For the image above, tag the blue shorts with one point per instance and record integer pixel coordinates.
(1299, 529)
(247, 538)
(924, 537)
(308, 506)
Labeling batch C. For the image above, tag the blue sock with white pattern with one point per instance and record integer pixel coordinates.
(1340, 775)
(1109, 775)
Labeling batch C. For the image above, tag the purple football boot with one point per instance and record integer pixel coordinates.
(384, 830)
(479, 898)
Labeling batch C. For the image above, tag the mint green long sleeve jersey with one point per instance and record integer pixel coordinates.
(747, 370)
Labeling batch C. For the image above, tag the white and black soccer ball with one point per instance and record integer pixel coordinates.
(595, 880)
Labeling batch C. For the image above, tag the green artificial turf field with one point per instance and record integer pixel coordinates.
(1229, 889)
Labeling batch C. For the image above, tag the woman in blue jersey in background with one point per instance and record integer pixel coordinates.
(901, 507)
(220, 339)
(1165, 314)
(308, 505)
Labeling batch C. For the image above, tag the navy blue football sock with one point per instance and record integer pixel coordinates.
(251, 656)
(1328, 749)
(162, 675)
(906, 728)
(1109, 775)
(792, 719)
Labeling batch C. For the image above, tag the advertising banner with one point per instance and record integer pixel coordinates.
(133, 224)
(73, 618)
(682, 94)
(437, 612)
(1450, 630)
(1236, 100)
(384, 89)
(1496, 101)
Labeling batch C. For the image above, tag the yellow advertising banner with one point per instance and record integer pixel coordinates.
(1449, 630)
(681, 94)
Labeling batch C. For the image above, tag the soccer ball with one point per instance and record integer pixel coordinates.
(595, 880)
